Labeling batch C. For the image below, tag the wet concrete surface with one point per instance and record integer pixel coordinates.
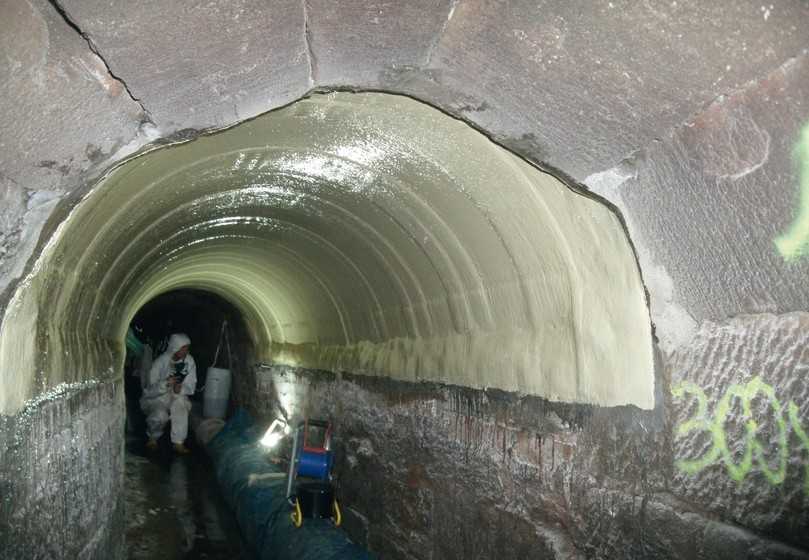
(174, 509)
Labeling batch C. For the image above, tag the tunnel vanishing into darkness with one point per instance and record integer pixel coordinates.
(586, 339)
(354, 232)
(200, 315)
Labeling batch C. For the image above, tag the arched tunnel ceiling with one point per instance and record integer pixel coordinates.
(684, 115)
(360, 232)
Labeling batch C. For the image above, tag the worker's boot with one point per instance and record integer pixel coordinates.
(181, 449)
(151, 445)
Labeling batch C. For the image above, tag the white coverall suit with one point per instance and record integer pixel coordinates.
(159, 402)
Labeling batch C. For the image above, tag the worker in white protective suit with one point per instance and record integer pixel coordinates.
(172, 378)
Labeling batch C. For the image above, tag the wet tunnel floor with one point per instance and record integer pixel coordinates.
(174, 508)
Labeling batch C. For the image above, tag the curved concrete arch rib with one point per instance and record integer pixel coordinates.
(368, 233)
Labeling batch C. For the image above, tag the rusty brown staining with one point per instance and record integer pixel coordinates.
(114, 87)
(417, 477)
(567, 451)
(539, 450)
(523, 445)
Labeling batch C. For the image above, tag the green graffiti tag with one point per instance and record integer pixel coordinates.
(802, 435)
(754, 451)
(794, 243)
(699, 422)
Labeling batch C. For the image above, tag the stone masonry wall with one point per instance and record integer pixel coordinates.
(427, 471)
(61, 475)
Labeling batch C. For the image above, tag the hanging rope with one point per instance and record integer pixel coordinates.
(223, 334)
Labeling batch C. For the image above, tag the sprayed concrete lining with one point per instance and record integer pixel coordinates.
(359, 232)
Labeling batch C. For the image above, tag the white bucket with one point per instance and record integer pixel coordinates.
(217, 393)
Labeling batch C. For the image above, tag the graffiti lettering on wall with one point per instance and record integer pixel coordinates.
(794, 243)
(754, 450)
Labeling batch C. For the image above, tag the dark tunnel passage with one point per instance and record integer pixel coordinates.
(200, 315)
(174, 508)
(218, 338)
(542, 265)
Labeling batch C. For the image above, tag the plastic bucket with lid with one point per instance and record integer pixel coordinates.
(217, 393)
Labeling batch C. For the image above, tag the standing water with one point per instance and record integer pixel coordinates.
(174, 509)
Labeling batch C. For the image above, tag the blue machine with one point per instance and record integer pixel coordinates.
(315, 465)
(312, 459)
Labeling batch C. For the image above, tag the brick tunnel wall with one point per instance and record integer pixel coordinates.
(428, 471)
(61, 475)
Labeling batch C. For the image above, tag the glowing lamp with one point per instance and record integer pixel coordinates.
(274, 433)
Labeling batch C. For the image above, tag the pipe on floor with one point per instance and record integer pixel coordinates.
(259, 501)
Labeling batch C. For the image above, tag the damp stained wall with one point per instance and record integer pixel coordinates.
(359, 232)
(427, 471)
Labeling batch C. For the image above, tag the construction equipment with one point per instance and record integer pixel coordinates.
(309, 488)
